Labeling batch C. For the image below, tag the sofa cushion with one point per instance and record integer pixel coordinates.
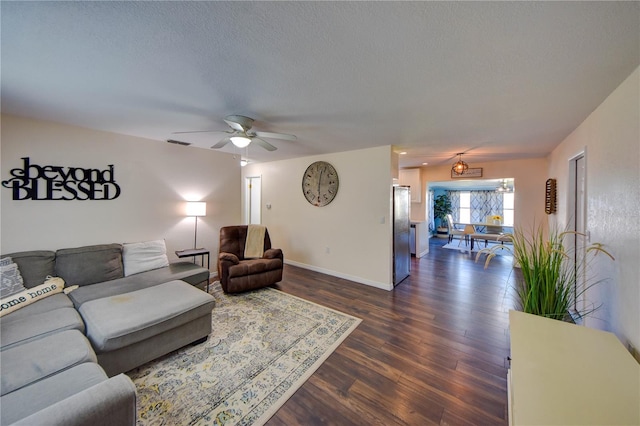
(10, 279)
(38, 359)
(57, 301)
(185, 271)
(118, 321)
(89, 264)
(30, 399)
(144, 256)
(34, 266)
(19, 330)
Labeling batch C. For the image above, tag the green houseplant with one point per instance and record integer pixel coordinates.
(441, 208)
(546, 282)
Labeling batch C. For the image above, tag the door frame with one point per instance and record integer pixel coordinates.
(577, 221)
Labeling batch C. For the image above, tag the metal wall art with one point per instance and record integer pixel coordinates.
(550, 197)
(35, 182)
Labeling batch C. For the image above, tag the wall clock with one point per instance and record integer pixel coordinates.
(320, 183)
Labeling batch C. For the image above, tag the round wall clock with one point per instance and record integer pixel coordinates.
(320, 183)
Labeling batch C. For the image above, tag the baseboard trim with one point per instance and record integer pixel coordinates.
(423, 253)
(337, 274)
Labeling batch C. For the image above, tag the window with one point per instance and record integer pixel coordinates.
(479, 206)
(465, 207)
(507, 208)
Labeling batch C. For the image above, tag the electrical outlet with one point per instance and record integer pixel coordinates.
(327, 250)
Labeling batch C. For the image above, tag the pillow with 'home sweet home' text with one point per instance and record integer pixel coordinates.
(16, 301)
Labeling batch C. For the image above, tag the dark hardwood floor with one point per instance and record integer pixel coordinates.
(432, 351)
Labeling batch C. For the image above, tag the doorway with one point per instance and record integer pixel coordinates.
(253, 191)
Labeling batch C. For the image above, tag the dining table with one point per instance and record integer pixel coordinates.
(481, 224)
(472, 230)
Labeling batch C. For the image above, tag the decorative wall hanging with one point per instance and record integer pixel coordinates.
(550, 197)
(320, 183)
(34, 182)
(469, 173)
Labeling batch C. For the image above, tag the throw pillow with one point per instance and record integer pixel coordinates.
(144, 256)
(10, 279)
(12, 303)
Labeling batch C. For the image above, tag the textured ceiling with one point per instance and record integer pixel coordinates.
(497, 80)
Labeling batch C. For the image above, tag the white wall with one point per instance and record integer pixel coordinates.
(351, 227)
(611, 138)
(530, 177)
(155, 178)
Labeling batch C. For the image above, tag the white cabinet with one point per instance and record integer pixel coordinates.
(565, 374)
(419, 240)
(411, 177)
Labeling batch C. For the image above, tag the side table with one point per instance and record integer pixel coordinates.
(202, 252)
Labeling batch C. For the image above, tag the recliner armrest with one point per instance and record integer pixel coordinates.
(272, 253)
(229, 257)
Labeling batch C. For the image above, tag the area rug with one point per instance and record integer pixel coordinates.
(263, 347)
(477, 246)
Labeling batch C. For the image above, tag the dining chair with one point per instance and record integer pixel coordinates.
(467, 231)
(453, 231)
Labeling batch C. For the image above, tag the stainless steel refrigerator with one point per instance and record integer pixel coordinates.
(401, 232)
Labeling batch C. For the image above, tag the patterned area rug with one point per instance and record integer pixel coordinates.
(263, 347)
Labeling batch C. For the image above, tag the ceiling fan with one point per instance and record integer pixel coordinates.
(241, 134)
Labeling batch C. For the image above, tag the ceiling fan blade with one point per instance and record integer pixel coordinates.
(239, 122)
(201, 131)
(264, 144)
(222, 143)
(282, 136)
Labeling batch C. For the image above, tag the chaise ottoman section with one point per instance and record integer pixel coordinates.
(178, 271)
(130, 329)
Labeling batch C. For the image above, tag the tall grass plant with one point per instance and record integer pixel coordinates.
(547, 284)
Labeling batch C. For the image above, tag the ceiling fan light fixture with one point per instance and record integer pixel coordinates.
(240, 141)
(504, 187)
(459, 167)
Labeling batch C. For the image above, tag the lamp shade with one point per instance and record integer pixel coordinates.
(196, 208)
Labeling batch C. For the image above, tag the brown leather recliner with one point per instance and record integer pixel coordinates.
(238, 274)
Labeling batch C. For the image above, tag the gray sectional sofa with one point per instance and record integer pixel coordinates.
(62, 357)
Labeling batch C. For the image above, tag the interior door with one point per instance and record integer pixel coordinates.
(253, 191)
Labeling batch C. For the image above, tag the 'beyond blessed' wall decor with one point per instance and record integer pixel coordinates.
(35, 182)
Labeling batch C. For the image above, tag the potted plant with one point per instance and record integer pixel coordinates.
(546, 282)
(441, 208)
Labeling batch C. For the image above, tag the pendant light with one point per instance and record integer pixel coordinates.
(459, 167)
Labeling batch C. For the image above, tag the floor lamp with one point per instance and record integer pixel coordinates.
(196, 208)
